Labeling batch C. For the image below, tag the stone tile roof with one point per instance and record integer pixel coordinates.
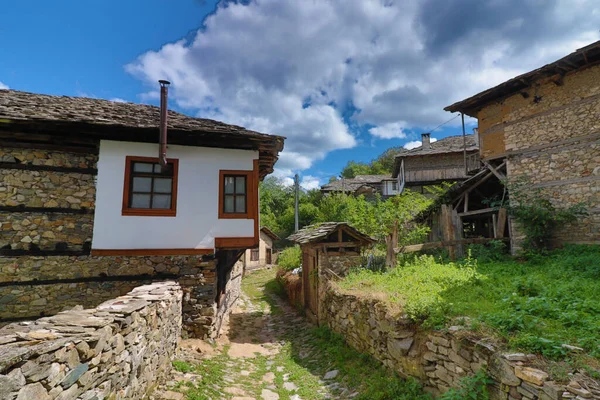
(17, 105)
(450, 144)
(317, 232)
(352, 184)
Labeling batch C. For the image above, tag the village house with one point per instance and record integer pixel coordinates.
(542, 126)
(367, 185)
(263, 255)
(447, 160)
(92, 206)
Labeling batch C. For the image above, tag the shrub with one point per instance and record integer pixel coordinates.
(290, 258)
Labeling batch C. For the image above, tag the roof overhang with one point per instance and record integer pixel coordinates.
(581, 58)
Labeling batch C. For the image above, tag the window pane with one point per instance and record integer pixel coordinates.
(157, 168)
(140, 201)
(141, 184)
(229, 182)
(240, 184)
(142, 167)
(228, 206)
(161, 201)
(162, 185)
(240, 204)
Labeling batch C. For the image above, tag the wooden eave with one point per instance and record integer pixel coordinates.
(579, 59)
(86, 136)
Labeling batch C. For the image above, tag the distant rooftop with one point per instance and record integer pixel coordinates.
(450, 144)
(352, 184)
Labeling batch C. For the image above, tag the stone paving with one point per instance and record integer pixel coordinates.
(264, 353)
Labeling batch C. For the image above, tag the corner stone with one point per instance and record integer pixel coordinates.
(399, 348)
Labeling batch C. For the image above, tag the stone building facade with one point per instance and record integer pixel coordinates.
(545, 125)
(69, 232)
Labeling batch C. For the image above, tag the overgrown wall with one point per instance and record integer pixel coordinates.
(118, 350)
(439, 360)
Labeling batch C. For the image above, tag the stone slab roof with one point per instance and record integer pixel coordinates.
(81, 118)
(352, 184)
(450, 144)
(317, 232)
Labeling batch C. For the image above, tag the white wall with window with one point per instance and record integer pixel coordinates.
(141, 206)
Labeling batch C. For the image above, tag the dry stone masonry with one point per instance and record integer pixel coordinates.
(441, 359)
(118, 350)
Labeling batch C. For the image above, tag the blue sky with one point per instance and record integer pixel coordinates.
(342, 79)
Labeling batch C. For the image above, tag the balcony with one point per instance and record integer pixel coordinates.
(473, 163)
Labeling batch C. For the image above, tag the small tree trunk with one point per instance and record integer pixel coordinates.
(391, 242)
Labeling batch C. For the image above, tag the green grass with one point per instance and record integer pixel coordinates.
(536, 305)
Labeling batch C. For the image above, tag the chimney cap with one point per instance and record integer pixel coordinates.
(164, 82)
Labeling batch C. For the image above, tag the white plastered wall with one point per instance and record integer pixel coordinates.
(196, 224)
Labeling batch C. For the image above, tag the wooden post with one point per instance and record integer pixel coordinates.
(501, 223)
(448, 229)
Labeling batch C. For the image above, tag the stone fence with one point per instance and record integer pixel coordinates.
(439, 360)
(118, 350)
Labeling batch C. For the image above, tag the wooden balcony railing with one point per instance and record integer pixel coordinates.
(473, 163)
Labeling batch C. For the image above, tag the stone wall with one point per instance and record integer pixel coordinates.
(439, 360)
(18, 230)
(555, 144)
(119, 350)
(47, 158)
(35, 286)
(228, 299)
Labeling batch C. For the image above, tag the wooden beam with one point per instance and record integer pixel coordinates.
(433, 245)
(502, 213)
(477, 212)
(466, 207)
(498, 174)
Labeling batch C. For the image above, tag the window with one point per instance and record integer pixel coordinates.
(235, 190)
(150, 189)
(237, 194)
(254, 255)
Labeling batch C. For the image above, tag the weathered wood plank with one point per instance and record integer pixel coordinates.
(432, 245)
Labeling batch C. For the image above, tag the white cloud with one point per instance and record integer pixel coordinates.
(3, 86)
(392, 130)
(118, 100)
(416, 143)
(309, 182)
(291, 67)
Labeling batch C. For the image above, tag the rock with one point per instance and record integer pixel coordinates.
(573, 349)
(531, 375)
(503, 371)
(74, 375)
(8, 385)
(576, 389)
(290, 386)
(33, 391)
(331, 374)
(553, 390)
(266, 394)
(269, 377)
(399, 348)
(515, 357)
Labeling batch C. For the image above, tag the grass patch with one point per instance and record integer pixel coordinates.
(536, 305)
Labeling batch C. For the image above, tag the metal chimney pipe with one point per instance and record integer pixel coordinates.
(164, 94)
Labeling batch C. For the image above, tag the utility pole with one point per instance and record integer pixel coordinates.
(296, 192)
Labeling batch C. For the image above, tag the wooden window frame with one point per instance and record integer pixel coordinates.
(149, 212)
(253, 253)
(251, 194)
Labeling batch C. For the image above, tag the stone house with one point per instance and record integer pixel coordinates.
(385, 185)
(263, 255)
(544, 126)
(446, 160)
(91, 206)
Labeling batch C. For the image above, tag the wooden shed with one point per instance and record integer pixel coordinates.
(329, 248)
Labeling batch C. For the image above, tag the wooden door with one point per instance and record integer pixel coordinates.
(269, 256)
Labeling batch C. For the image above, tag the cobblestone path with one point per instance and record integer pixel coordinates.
(266, 352)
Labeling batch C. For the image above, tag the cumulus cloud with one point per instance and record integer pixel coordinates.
(309, 182)
(416, 143)
(392, 130)
(318, 71)
(118, 100)
(3, 86)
